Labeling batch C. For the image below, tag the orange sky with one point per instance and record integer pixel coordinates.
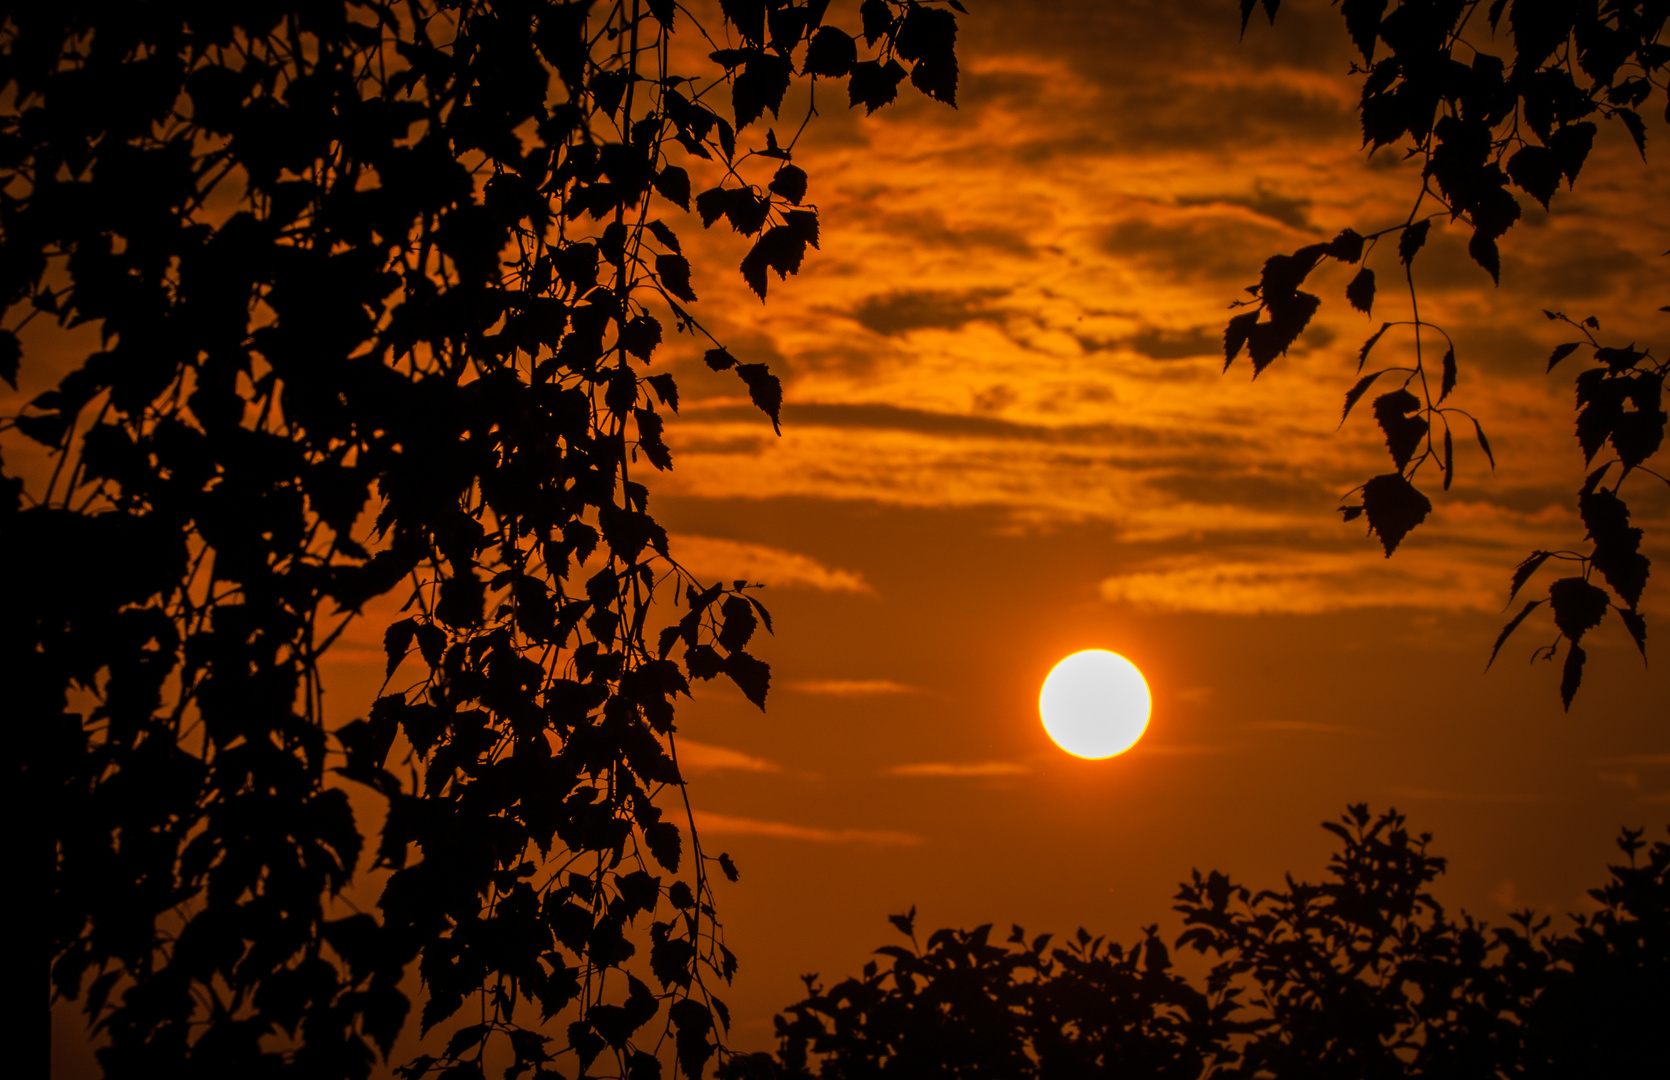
(1007, 439)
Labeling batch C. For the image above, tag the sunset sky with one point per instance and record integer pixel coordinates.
(1008, 438)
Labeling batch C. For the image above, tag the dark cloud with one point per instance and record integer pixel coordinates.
(1158, 344)
(958, 425)
(1223, 250)
(899, 312)
(1247, 489)
(1265, 203)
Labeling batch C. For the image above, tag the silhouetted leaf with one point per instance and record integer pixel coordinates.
(1374, 339)
(1347, 246)
(1394, 507)
(1578, 606)
(1403, 432)
(752, 676)
(1522, 573)
(1561, 352)
(665, 844)
(1638, 132)
(1484, 444)
(1448, 381)
(674, 272)
(1449, 459)
(1361, 291)
(728, 867)
(1571, 674)
(11, 352)
(765, 391)
(1409, 241)
(397, 641)
(1235, 335)
(1356, 392)
(1637, 627)
(831, 53)
(1513, 624)
(873, 84)
(790, 183)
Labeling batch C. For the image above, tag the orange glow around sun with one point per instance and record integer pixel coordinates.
(1095, 704)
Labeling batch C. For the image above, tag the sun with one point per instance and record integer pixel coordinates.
(1095, 704)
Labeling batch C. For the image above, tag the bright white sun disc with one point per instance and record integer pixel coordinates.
(1095, 704)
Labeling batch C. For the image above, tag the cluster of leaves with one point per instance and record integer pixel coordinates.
(1481, 125)
(1361, 975)
(372, 284)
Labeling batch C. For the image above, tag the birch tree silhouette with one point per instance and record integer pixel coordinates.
(371, 286)
(1485, 116)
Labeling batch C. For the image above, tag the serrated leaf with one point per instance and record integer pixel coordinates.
(1361, 291)
(1571, 675)
(1637, 130)
(1235, 335)
(1449, 458)
(1448, 381)
(1522, 573)
(1353, 395)
(1394, 507)
(1637, 627)
(1561, 352)
(1513, 624)
(1374, 339)
(1411, 239)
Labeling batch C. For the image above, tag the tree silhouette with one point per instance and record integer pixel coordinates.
(368, 287)
(1482, 119)
(1361, 975)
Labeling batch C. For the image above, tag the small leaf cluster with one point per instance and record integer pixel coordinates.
(1361, 974)
(1480, 124)
(1620, 403)
(374, 289)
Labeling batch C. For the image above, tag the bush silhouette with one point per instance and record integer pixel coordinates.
(1360, 976)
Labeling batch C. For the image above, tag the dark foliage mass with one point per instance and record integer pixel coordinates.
(1363, 975)
(1490, 99)
(369, 287)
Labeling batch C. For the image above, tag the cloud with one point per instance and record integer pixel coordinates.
(849, 688)
(1635, 759)
(958, 768)
(1306, 584)
(898, 312)
(699, 757)
(715, 559)
(725, 825)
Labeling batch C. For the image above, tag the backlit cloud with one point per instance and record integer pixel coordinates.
(697, 757)
(848, 688)
(959, 769)
(712, 558)
(712, 824)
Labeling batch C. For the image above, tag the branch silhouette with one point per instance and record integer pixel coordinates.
(1482, 123)
(372, 286)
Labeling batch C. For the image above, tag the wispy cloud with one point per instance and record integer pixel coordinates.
(726, 825)
(712, 558)
(1305, 584)
(699, 757)
(1303, 725)
(1635, 759)
(958, 768)
(849, 687)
